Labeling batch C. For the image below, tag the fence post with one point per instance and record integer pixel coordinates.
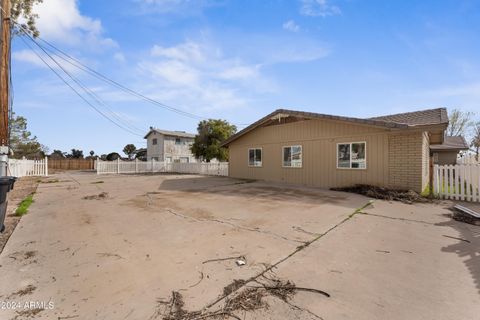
(136, 165)
(118, 165)
(46, 166)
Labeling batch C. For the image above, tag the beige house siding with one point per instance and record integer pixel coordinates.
(319, 140)
(394, 159)
(446, 157)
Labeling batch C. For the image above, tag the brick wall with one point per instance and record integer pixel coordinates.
(425, 160)
(405, 156)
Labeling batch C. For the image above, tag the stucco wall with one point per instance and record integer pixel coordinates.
(155, 151)
(178, 151)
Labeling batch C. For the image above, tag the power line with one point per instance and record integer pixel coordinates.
(78, 64)
(73, 88)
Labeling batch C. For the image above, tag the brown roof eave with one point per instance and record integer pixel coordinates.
(311, 115)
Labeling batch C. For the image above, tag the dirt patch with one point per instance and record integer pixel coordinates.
(22, 188)
(27, 314)
(22, 256)
(23, 292)
(463, 217)
(100, 196)
(405, 196)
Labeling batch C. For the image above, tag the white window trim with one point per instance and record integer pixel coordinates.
(290, 146)
(350, 143)
(248, 158)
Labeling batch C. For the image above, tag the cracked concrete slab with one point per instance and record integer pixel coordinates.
(114, 257)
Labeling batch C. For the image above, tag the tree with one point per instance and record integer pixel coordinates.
(459, 122)
(22, 142)
(129, 150)
(76, 154)
(22, 9)
(112, 156)
(92, 153)
(476, 138)
(141, 154)
(211, 133)
(57, 154)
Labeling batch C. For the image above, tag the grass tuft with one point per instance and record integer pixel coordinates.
(24, 205)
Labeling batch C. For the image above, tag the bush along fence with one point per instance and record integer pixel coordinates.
(136, 166)
(457, 182)
(27, 168)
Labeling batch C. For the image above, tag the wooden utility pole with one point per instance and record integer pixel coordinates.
(5, 72)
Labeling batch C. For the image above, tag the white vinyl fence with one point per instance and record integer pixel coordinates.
(120, 166)
(457, 182)
(27, 168)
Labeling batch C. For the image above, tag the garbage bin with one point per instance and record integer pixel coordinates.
(6, 184)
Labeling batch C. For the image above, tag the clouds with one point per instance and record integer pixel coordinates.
(182, 7)
(318, 8)
(27, 56)
(61, 21)
(200, 74)
(290, 25)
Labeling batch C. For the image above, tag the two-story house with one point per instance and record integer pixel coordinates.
(169, 146)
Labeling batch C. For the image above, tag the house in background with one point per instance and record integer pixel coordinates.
(334, 151)
(169, 146)
(447, 152)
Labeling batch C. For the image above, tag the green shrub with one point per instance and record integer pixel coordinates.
(24, 205)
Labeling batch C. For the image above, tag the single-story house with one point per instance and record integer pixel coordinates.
(447, 152)
(335, 151)
(169, 146)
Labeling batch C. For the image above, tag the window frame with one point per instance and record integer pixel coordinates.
(248, 158)
(350, 143)
(301, 157)
(179, 141)
(154, 141)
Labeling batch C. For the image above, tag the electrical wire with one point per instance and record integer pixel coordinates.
(75, 90)
(78, 64)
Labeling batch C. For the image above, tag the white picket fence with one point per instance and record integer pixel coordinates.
(27, 168)
(120, 166)
(457, 182)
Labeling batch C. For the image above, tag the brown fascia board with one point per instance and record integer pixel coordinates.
(312, 115)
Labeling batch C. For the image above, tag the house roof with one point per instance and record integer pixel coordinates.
(451, 143)
(181, 134)
(416, 118)
(396, 121)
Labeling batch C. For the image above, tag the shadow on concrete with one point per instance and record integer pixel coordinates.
(255, 190)
(468, 249)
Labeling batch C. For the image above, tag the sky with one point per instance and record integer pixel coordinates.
(239, 60)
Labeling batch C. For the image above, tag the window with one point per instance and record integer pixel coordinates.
(154, 141)
(178, 141)
(351, 155)
(292, 156)
(255, 157)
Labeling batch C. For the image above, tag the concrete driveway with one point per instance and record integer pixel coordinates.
(111, 247)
